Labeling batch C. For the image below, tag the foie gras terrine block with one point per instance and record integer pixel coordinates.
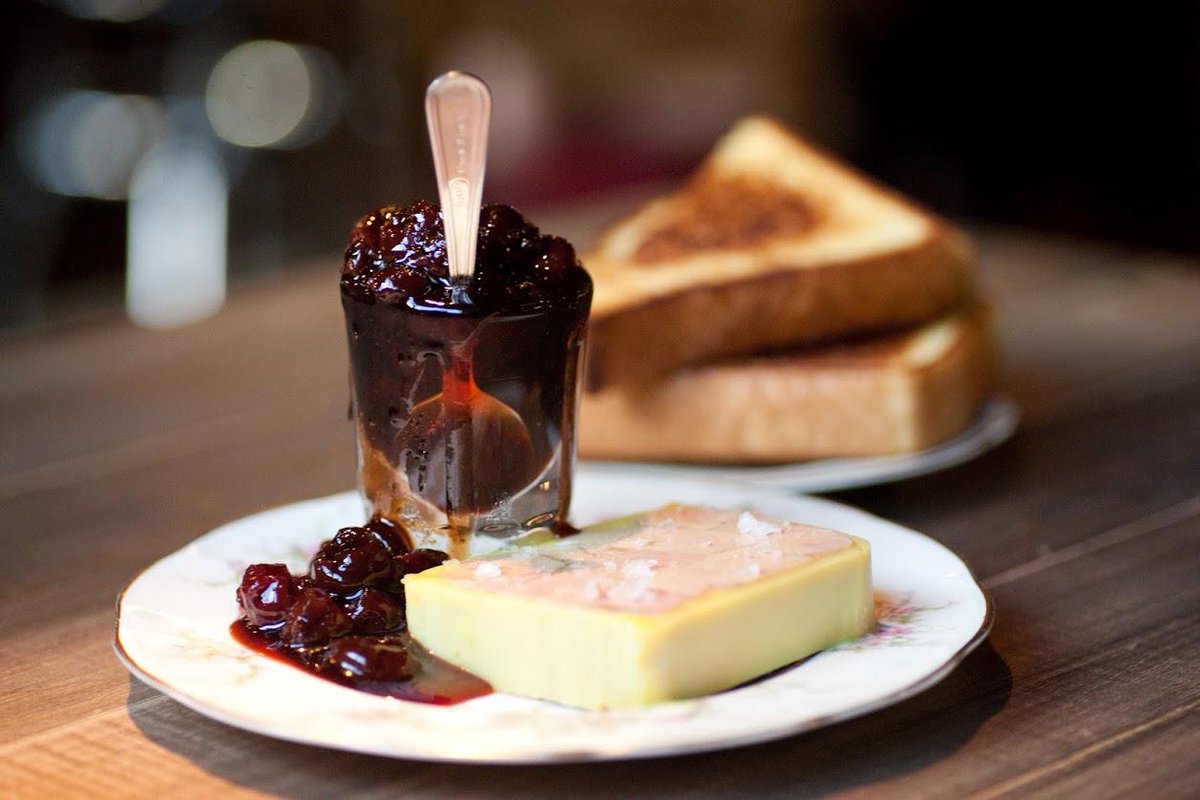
(674, 603)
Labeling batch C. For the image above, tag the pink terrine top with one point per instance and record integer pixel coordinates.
(661, 560)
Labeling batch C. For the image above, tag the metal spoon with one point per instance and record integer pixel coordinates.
(458, 110)
(492, 451)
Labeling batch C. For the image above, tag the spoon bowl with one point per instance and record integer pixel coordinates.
(488, 452)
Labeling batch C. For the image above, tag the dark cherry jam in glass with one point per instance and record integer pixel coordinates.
(464, 395)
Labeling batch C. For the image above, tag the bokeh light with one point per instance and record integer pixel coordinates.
(178, 224)
(85, 143)
(112, 10)
(272, 94)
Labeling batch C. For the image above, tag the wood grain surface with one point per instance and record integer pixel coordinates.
(119, 445)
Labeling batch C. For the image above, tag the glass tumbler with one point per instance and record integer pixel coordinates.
(466, 418)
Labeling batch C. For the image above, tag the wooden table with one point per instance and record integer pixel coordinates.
(120, 445)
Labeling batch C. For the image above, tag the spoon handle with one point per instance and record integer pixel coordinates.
(458, 109)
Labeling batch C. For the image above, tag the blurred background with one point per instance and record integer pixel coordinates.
(154, 154)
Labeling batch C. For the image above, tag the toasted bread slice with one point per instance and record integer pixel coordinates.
(770, 244)
(894, 393)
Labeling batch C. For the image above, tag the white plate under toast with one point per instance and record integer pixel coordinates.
(994, 424)
(173, 633)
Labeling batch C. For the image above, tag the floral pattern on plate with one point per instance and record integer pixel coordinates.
(898, 622)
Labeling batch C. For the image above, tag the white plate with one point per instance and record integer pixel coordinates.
(994, 424)
(173, 633)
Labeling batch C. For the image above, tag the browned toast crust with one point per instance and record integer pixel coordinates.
(856, 399)
(780, 308)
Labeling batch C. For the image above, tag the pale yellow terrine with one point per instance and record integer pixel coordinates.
(675, 603)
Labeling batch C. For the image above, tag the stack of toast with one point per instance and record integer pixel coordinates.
(779, 307)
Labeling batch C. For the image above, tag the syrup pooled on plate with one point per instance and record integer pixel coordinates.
(344, 620)
(464, 395)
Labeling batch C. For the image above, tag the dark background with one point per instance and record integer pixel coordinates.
(1072, 119)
